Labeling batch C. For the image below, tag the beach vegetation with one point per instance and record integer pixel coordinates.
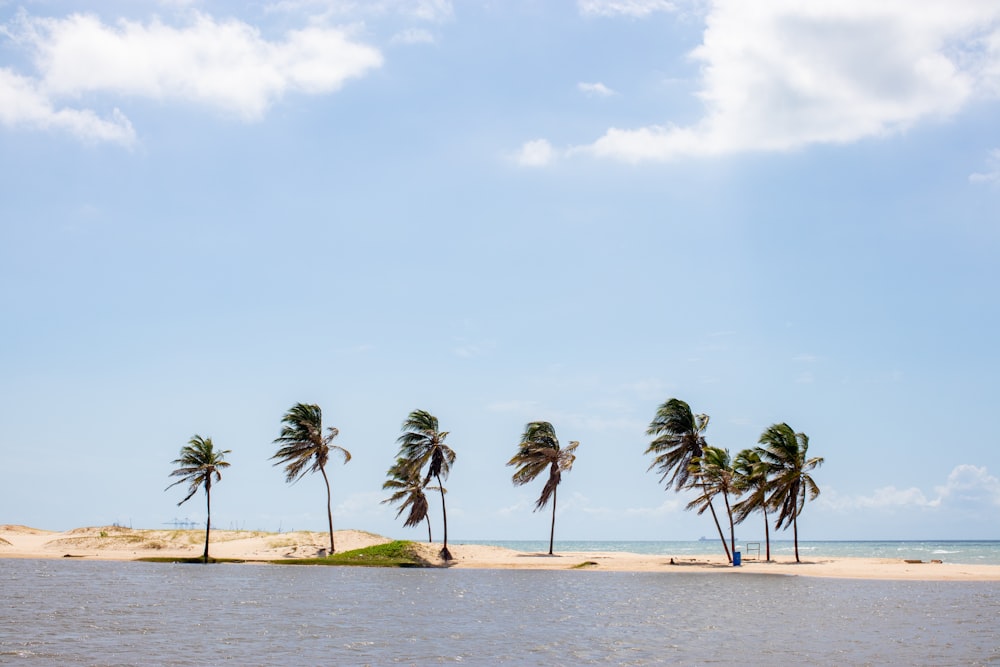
(678, 439)
(538, 452)
(399, 553)
(408, 492)
(199, 464)
(422, 447)
(786, 454)
(303, 447)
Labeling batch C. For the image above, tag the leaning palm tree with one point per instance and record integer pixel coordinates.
(422, 445)
(408, 491)
(785, 452)
(303, 448)
(679, 439)
(715, 475)
(539, 450)
(752, 479)
(200, 463)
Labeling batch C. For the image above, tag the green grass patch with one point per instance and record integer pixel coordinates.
(584, 565)
(400, 553)
(196, 559)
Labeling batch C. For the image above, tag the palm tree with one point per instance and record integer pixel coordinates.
(420, 445)
(752, 479)
(200, 463)
(714, 470)
(785, 452)
(408, 491)
(303, 448)
(539, 449)
(679, 439)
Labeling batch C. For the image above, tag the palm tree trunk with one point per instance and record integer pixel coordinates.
(429, 538)
(767, 535)
(795, 532)
(329, 511)
(445, 554)
(732, 530)
(718, 527)
(208, 517)
(552, 531)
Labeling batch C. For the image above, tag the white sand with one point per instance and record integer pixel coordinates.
(115, 543)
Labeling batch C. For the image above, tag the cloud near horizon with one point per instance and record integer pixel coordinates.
(226, 65)
(777, 75)
(967, 487)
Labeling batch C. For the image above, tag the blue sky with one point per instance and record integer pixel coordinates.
(499, 212)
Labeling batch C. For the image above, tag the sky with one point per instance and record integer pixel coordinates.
(499, 212)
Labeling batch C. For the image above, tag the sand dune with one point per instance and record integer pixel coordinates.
(118, 543)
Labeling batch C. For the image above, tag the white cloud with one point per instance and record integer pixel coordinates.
(22, 105)
(595, 89)
(227, 65)
(536, 153)
(993, 175)
(967, 487)
(424, 10)
(637, 8)
(413, 36)
(781, 74)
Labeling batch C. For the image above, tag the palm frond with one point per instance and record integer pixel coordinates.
(302, 446)
(199, 465)
(537, 452)
(678, 440)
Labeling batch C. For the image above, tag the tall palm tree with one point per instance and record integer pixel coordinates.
(303, 448)
(422, 445)
(752, 479)
(678, 440)
(539, 450)
(786, 454)
(715, 474)
(408, 491)
(200, 463)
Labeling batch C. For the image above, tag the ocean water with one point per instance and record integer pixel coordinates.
(76, 612)
(967, 552)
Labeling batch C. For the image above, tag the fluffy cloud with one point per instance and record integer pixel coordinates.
(537, 153)
(967, 487)
(781, 74)
(413, 36)
(637, 8)
(424, 10)
(227, 65)
(993, 174)
(595, 89)
(22, 104)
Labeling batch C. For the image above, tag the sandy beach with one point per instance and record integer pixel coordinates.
(118, 543)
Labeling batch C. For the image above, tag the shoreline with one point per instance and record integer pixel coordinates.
(124, 544)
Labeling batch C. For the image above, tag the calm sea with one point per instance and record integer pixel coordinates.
(77, 612)
(967, 552)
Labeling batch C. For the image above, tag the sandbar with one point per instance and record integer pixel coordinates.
(121, 543)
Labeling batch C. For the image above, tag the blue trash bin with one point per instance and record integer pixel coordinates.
(736, 559)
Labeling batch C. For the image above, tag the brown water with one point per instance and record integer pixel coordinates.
(110, 613)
